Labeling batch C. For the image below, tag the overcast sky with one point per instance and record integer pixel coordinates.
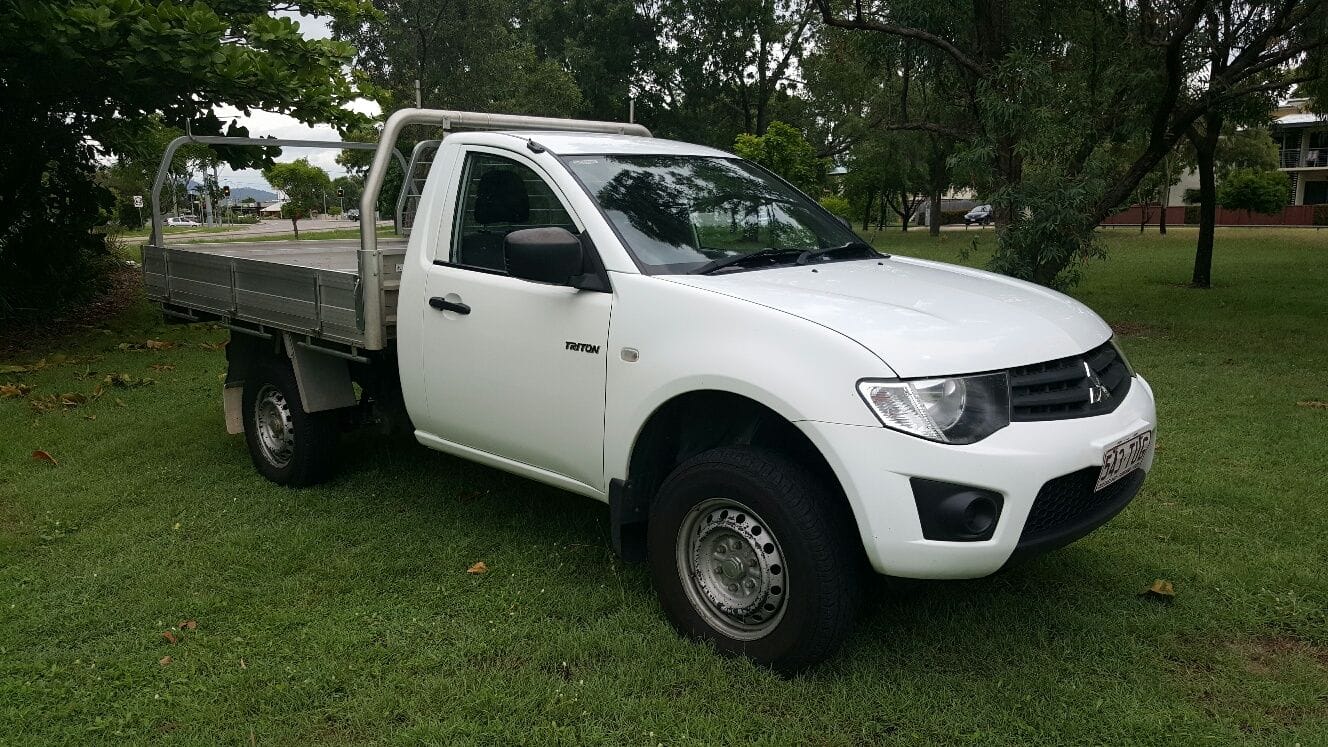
(263, 124)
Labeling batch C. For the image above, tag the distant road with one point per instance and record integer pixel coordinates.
(281, 225)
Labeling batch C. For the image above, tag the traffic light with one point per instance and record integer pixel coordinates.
(341, 191)
(226, 192)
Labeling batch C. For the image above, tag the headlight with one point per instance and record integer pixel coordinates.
(954, 410)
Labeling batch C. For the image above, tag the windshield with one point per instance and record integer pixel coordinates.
(679, 213)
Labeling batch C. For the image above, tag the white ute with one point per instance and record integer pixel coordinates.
(768, 406)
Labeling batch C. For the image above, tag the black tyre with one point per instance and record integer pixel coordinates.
(287, 445)
(749, 552)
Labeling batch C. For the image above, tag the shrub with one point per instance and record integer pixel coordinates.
(1320, 215)
(952, 216)
(1265, 192)
(1191, 214)
(837, 205)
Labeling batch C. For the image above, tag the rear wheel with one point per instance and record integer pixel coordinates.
(749, 552)
(287, 445)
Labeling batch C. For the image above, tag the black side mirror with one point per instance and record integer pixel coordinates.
(545, 255)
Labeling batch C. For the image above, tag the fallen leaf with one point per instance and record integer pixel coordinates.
(127, 381)
(170, 637)
(243, 665)
(165, 660)
(89, 417)
(9, 391)
(212, 345)
(72, 399)
(97, 391)
(119, 402)
(162, 367)
(478, 568)
(188, 625)
(14, 369)
(1313, 404)
(1161, 590)
(177, 526)
(158, 345)
(43, 456)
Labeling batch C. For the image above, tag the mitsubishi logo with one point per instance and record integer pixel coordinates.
(1097, 391)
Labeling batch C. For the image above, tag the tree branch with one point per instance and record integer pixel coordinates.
(860, 23)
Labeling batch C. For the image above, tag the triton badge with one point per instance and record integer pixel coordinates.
(583, 347)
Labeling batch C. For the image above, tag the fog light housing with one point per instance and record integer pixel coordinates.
(956, 513)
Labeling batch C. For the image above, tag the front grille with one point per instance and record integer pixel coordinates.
(1063, 388)
(1068, 502)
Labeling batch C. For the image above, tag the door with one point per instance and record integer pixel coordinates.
(513, 368)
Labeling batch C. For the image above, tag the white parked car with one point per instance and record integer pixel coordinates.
(182, 220)
(767, 404)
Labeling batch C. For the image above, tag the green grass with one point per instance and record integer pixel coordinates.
(345, 614)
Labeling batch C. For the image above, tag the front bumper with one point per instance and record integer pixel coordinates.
(875, 464)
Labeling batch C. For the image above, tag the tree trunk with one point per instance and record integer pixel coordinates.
(881, 218)
(934, 213)
(867, 210)
(1205, 149)
(295, 225)
(1165, 196)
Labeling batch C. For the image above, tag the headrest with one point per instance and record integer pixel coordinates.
(501, 198)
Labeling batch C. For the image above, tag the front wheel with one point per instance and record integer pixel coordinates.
(749, 552)
(287, 445)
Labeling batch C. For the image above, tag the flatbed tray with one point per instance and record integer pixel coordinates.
(309, 286)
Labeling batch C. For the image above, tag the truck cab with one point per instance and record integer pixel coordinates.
(770, 407)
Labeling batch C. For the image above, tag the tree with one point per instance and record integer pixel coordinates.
(1255, 191)
(784, 150)
(83, 80)
(1054, 98)
(731, 66)
(304, 185)
(466, 54)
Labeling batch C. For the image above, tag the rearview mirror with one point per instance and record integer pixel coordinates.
(544, 255)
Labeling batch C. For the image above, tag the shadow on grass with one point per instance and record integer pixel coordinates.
(989, 626)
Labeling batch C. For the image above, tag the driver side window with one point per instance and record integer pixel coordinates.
(498, 196)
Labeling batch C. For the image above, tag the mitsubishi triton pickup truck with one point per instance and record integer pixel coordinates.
(770, 407)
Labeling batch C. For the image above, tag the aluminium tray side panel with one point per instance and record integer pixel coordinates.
(300, 298)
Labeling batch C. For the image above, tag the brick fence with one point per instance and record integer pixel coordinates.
(1292, 215)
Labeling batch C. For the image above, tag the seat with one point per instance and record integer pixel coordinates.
(500, 201)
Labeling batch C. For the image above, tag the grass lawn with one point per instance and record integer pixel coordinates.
(345, 613)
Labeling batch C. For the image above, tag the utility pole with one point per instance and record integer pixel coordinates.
(631, 109)
(419, 101)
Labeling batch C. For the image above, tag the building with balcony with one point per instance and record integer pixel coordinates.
(1302, 142)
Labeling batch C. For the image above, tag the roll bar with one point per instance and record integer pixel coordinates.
(156, 239)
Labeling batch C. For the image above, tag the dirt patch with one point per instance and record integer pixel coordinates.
(1266, 656)
(124, 286)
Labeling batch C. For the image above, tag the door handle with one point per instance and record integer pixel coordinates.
(443, 304)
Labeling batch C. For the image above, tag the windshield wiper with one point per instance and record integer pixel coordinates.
(859, 249)
(738, 259)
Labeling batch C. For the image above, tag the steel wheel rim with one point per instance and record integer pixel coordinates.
(272, 422)
(732, 568)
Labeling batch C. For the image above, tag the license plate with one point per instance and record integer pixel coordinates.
(1123, 457)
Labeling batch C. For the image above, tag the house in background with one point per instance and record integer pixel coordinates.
(1302, 143)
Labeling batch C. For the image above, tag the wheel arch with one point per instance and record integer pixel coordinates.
(688, 424)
